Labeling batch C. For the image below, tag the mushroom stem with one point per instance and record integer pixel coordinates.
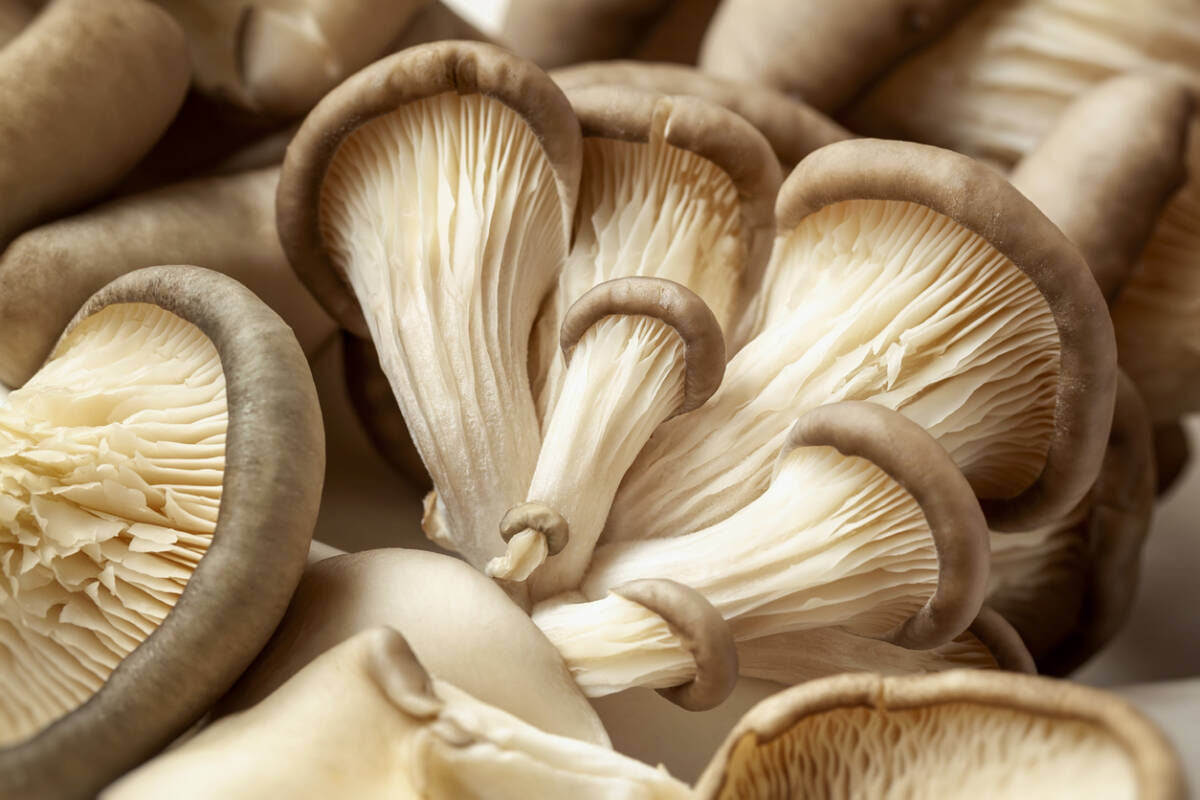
(639, 350)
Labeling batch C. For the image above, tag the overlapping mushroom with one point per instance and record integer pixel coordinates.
(920, 354)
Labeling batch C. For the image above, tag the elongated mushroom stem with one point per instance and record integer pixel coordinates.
(1103, 174)
(639, 351)
(226, 223)
(93, 85)
(821, 52)
(867, 525)
(793, 128)
(161, 480)
(442, 178)
(958, 734)
(919, 279)
(365, 719)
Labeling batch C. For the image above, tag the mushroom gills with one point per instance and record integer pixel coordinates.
(111, 465)
(449, 205)
(886, 301)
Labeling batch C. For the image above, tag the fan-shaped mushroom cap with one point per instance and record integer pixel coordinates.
(867, 525)
(822, 52)
(1107, 168)
(1068, 587)
(461, 625)
(557, 32)
(161, 483)
(790, 658)
(226, 223)
(793, 128)
(921, 280)
(366, 720)
(958, 734)
(93, 85)
(279, 58)
(442, 178)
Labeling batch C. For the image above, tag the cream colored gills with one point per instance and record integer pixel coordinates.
(885, 301)
(111, 462)
(655, 210)
(947, 751)
(445, 218)
(833, 541)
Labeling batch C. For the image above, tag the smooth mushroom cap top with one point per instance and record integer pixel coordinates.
(793, 128)
(958, 734)
(138, 527)
(459, 623)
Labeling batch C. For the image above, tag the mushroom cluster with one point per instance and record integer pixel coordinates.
(704, 388)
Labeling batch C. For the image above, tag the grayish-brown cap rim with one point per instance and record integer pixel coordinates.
(274, 468)
(702, 630)
(1002, 641)
(793, 128)
(415, 74)
(1156, 768)
(914, 459)
(539, 517)
(980, 199)
(673, 304)
(710, 131)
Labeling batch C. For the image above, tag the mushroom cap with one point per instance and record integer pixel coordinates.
(793, 128)
(424, 71)
(1107, 168)
(974, 195)
(885, 721)
(914, 459)
(674, 304)
(460, 624)
(274, 467)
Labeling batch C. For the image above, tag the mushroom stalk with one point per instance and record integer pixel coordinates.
(639, 350)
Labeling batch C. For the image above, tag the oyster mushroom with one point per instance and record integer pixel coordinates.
(226, 223)
(820, 52)
(279, 57)
(918, 279)
(867, 525)
(1068, 587)
(557, 32)
(366, 720)
(86, 89)
(792, 127)
(494, 147)
(14, 16)
(639, 351)
(959, 734)
(160, 477)
(462, 626)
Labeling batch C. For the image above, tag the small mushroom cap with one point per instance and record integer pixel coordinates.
(704, 634)
(793, 128)
(462, 67)
(979, 198)
(539, 517)
(670, 302)
(274, 466)
(985, 698)
(460, 624)
(1107, 168)
(825, 53)
(914, 459)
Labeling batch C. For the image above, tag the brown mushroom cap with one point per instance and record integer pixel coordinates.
(14, 16)
(461, 67)
(459, 623)
(1107, 168)
(822, 52)
(81, 128)
(979, 199)
(274, 463)
(674, 304)
(227, 223)
(793, 128)
(864, 733)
